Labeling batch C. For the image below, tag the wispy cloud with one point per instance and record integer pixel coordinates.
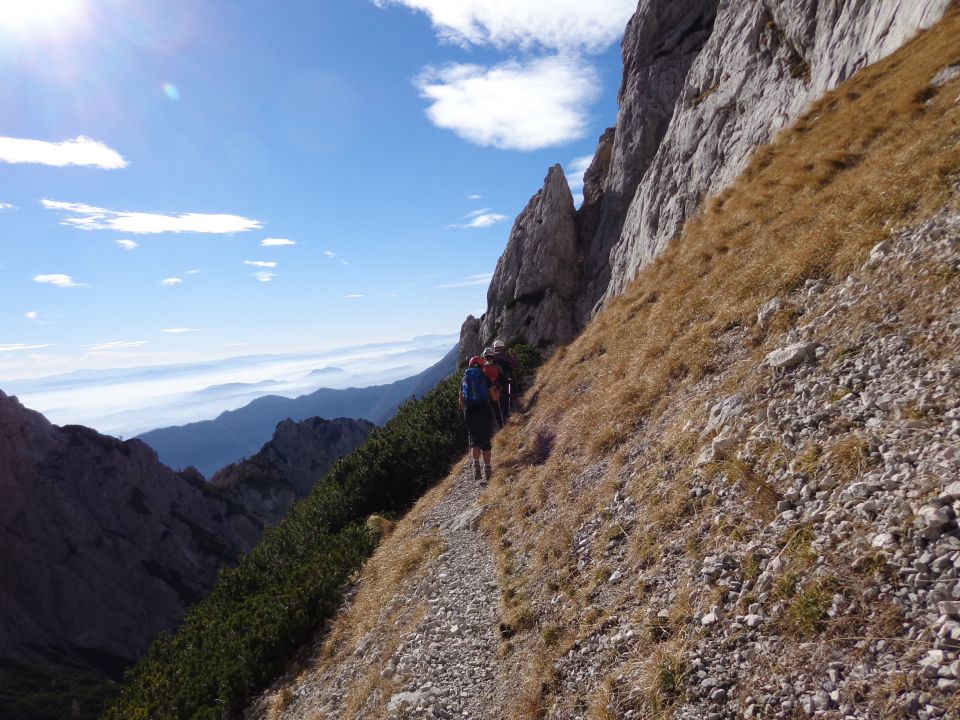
(353, 296)
(330, 254)
(170, 282)
(468, 282)
(7, 206)
(512, 106)
(116, 345)
(127, 244)
(560, 24)
(193, 272)
(181, 330)
(276, 242)
(264, 276)
(81, 150)
(57, 280)
(482, 218)
(575, 171)
(261, 263)
(14, 347)
(31, 314)
(88, 217)
(474, 197)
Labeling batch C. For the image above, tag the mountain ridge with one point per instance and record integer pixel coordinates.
(211, 444)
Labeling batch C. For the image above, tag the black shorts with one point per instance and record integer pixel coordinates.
(479, 422)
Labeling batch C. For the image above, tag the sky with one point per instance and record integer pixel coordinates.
(184, 181)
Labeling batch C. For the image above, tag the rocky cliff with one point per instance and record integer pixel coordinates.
(102, 546)
(705, 82)
(287, 467)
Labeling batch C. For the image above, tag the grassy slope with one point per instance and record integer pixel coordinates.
(880, 153)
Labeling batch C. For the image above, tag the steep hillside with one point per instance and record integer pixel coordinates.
(704, 84)
(734, 495)
(102, 547)
(236, 434)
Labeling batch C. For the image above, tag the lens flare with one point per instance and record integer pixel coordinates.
(170, 90)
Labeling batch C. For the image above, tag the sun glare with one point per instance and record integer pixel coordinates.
(24, 16)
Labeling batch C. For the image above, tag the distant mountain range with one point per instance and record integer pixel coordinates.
(212, 444)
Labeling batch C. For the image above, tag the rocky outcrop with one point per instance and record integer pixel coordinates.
(705, 82)
(101, 546)
(534, 287)
(287, 467)
(661, 42)
(761, 66)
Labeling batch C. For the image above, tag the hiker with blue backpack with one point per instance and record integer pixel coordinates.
(478, 415)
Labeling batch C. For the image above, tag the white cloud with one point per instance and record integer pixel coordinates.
(79, 151)
(170, 282)
(482, 218)
(88, 217)
(180, 331)
(261, 263)
(193, 272)
(352, 296)
(468, 282)
(31, 314)
(127, 244)
(57, 280)
(474, 197)
(116, 345)
(329, 254)
(7, 206)
(345, 263)
(512, 106)
(575, 170)
(563, 24)
(276, 242)
(21, 346)
(264, 276)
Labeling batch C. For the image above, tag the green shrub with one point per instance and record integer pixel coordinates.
(238, 640)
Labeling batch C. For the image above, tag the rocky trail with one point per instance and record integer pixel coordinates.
(443, 663)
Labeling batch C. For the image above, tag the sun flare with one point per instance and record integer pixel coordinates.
(22, 16)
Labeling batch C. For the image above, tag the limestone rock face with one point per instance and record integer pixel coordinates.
(101, 546)
(761, 65)
(469, 339)
(660, 43)
(533, 289)
(287, 467)
(705, 82)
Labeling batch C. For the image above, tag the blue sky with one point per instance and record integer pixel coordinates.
(182, 180)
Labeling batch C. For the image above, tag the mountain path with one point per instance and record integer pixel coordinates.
(451, 657)
(433, 651)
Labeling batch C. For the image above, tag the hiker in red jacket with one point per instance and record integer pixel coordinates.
(507, 364)
(493, 371)
(478, 415)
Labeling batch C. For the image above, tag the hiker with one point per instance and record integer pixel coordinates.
(507, 365)
(478, 415)
(493, 371)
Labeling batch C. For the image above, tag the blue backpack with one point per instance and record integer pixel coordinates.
(474, 388)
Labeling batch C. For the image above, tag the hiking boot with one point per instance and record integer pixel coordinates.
(476, 472)
(487, 473)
